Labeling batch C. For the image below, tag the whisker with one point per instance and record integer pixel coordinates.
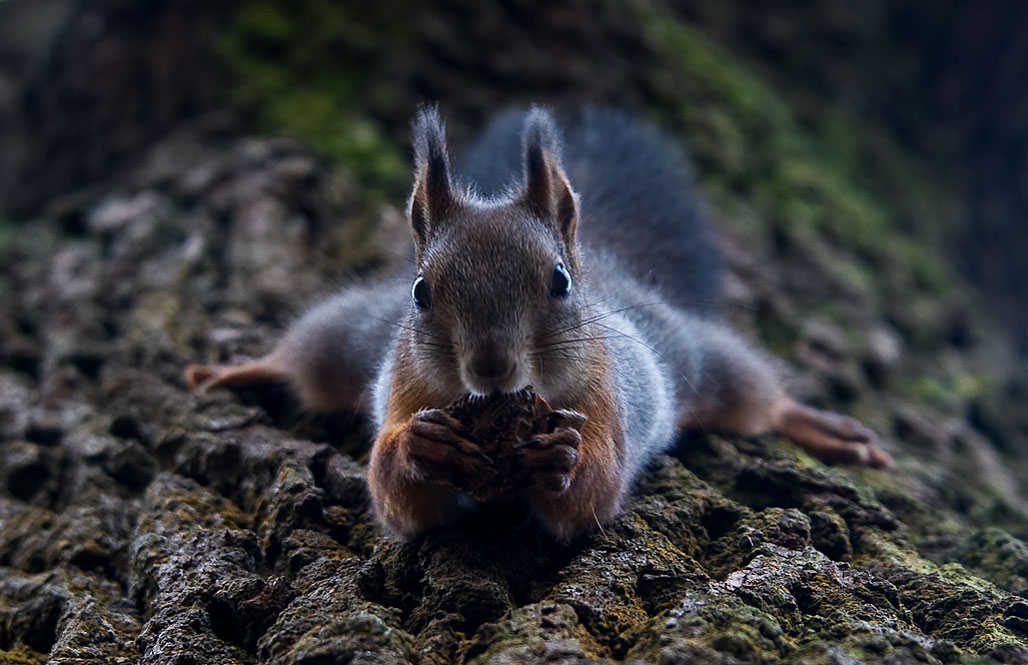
(432, 341)
(659, 355)
(599, 317)
(620, 334)
(689, 303)
(568, 342)
(713, 304)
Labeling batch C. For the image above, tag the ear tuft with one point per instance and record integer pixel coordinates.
(539, 138)
(433, 197)
(430, 141)
(548, 193)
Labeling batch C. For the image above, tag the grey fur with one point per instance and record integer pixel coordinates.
(637, 197)
(340, 343)
(647, 259)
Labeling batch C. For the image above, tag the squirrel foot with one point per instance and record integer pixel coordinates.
(437, 450)
(202, 378)
(549, 458)
(832, 437)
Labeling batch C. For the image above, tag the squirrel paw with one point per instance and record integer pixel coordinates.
(833, 437)
(844, 427)
(440, 454)
(549, 458)
(202, 378)
(857, 437)
(559, 419)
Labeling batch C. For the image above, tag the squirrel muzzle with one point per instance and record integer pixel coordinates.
(492, 367)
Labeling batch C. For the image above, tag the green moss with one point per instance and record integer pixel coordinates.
(809, 180)
(20, 654)
(1000, 558)
(314, 69)
(8, 232)
(305, 68)
(706, 625)
(944, 390)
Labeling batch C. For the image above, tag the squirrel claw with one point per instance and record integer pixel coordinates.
(436, 450)
(550, 458)
(559, 419)
(845, 428)
(832, 437)
(878, 458)
(201, 378)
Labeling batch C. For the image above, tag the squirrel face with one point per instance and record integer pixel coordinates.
(494, 287)
(495, 296)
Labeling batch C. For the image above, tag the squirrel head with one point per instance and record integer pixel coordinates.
(496, 290)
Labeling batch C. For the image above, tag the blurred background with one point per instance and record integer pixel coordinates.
(872, 159)
(918, 107)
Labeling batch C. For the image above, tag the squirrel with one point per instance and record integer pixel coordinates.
(582, 266)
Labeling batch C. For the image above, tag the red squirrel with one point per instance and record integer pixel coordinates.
(582, 267)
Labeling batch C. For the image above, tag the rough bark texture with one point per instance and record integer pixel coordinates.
(140, 523)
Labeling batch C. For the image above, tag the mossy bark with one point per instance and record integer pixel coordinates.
(142, 523)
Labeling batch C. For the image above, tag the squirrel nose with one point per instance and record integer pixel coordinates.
(491, 363)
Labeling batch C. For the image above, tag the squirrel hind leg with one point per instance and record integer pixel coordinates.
(202, 378)
(741, 391)
(830, 437)
(315, 390)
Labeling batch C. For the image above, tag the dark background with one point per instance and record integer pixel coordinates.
(86, 85)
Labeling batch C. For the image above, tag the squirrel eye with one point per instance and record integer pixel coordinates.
(560, 286)
(420, 294)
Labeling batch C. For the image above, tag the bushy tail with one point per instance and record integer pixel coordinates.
(637, 197)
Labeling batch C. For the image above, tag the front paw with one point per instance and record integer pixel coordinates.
(549, 458)
(551, 421)
(438, 453)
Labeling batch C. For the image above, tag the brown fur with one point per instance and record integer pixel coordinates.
(487, 266)
(829, 436)
(315, 393)
(405, 503)
(209, 377)
(595, 492)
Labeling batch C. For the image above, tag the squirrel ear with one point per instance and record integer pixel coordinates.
(433, 198)
(548, 192)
